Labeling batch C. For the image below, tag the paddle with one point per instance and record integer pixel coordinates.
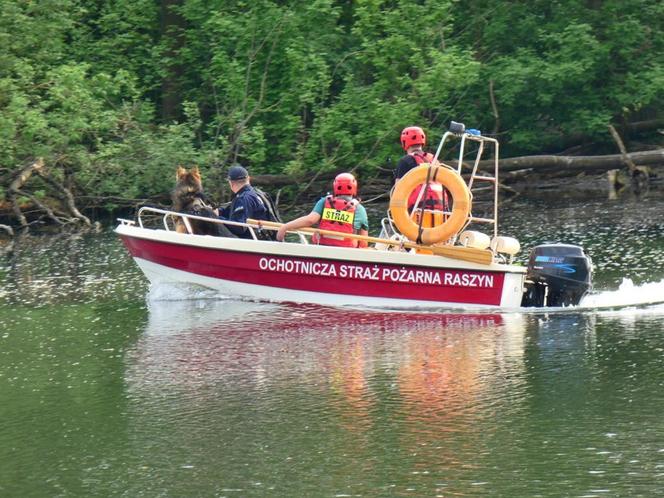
(471, 254)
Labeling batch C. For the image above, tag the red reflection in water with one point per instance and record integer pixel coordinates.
(211, 340)
(357, 376)
(437, 364)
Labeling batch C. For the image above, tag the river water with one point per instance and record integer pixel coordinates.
(109, 389)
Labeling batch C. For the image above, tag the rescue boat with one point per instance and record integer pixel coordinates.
(445, 264)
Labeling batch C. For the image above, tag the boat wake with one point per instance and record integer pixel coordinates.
(628, 297)
(627, 294)
(180, 292)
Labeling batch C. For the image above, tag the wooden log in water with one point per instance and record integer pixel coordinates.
(576, 164)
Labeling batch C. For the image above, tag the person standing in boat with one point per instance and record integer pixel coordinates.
(413, 140)
(340, 212)
(245, 203)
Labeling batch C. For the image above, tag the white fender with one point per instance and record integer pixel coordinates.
(471, 238)
(505, 245)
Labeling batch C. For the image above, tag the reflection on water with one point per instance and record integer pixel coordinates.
(240, 333)
(405, 403)
(311, 384)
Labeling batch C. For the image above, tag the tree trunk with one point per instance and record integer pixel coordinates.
(172, 25)
(576, 164)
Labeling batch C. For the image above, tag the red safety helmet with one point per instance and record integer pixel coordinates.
(413, 135)
(345, 184)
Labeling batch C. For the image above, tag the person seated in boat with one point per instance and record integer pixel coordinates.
(340, 212)
(245, 203)
(413, 140)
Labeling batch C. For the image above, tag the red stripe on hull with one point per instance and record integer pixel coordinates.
(329, 276)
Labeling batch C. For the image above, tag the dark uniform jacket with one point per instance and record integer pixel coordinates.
(245, 204)
(405, 164)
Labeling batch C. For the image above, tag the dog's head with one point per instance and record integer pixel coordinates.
(188, 178)
(188, 187)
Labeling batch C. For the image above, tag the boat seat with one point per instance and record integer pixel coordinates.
(505, 245)
(471, 238)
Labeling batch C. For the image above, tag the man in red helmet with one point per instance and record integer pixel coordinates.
(340, 212)
(413, 139)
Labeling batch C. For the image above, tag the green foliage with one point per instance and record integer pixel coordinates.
(122, 34)
(143, 161)
(305, 87)
(569, 67)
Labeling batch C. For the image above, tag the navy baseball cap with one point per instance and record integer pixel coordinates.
(237, 172)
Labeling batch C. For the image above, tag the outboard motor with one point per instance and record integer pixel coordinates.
(558, 275)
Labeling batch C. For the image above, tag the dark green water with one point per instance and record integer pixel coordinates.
(107, 392)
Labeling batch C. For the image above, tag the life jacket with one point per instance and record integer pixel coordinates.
(434, 198)
(338, 216)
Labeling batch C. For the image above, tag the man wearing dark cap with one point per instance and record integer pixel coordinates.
(245, 202)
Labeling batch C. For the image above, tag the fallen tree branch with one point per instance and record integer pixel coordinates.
(14, 189)
(305, 188)
(628, 130)
(285, 180)
(623, 150)
(17, 189)
(49, 212)
(575, 164)
(643, 126)
(640, 175)
(13, 202)
(67, 196)
(25, 173)
(116, 198)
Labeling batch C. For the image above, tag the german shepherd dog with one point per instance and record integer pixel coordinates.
(188, 197)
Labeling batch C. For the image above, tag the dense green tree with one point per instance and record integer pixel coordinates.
(78, 98)
(115, 94)
(567, 67)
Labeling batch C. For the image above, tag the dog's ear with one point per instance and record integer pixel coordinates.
(196, 173)
(180, 172)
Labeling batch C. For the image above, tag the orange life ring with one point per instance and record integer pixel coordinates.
(454, 184)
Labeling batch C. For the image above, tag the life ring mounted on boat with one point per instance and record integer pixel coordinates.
(456, 187)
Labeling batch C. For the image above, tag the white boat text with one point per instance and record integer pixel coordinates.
(382, 274)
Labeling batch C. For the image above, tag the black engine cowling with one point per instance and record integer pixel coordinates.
(558, 275)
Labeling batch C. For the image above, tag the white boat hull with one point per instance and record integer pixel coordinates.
(286, 272)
